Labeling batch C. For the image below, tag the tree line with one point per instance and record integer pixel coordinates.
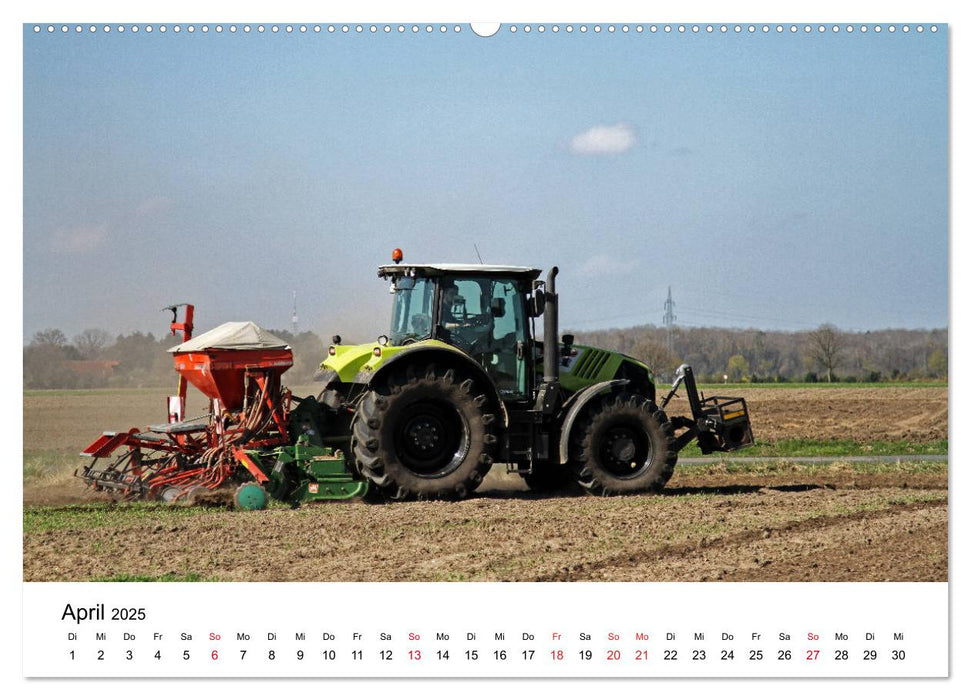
(95, 358)
(823, 354)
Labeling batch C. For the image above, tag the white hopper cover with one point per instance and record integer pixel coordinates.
(234, 335)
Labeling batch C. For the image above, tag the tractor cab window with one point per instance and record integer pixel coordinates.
(485, 317)
(464, 319)
(462, 300)
(411, 317)
(507, 364)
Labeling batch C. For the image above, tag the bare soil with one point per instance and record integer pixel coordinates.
(830, 525)
(864, 414)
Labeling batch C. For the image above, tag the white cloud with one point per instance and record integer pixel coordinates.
(601, 265)
(79, 239)
(603, 139)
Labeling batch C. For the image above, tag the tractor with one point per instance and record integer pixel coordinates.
(459, 383)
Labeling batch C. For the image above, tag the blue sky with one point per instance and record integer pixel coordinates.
(772, 180)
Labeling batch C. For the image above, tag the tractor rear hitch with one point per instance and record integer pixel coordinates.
(721, 423)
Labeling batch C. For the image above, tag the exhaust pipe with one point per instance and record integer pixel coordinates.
(551, 346)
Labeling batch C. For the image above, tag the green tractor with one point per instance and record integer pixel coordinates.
(461, 382)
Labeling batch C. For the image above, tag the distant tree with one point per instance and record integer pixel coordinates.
(654, 354)
(91, 342)
(141, 355)
(826, 346)
(738, 368)
(937, 363)
(52, 337)
(45, 368)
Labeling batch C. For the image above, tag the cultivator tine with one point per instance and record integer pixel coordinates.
(123, 482)
(127, 474)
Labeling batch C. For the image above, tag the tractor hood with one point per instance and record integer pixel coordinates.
(348, 360)
(585, 366)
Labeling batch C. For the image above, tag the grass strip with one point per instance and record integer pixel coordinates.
(719, 389)
(834, 467)
(89, 516)
(188, 577)
(832, 448)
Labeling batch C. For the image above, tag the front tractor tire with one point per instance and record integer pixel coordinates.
(624, 444)
(424, 433)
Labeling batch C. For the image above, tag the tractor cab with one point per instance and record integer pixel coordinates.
(481, 310)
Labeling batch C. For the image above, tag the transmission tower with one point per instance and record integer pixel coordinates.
(294, 319)
(669, 319)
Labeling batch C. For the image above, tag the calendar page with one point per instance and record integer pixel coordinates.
(415, 348)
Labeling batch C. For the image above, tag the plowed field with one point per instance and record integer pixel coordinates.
(864, 414)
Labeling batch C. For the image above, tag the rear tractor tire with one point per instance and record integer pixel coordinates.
(624, 444)
(424, 433)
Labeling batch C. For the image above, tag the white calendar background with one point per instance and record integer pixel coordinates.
(920, 611)
(486, 630)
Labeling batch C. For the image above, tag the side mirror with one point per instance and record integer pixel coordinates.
(404, 283)
(498, 308)
(568, 339)
(538, 303)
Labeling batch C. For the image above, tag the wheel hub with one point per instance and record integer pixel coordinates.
(433, 440)
(425, 433)
(625, 451)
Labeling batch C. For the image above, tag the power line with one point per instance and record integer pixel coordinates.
(743, 317)
(639, 316)
(605, 318)
(294, 319)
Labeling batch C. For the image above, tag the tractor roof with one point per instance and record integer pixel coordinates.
(439, 269)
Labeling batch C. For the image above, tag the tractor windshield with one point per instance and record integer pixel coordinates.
(411, 317)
